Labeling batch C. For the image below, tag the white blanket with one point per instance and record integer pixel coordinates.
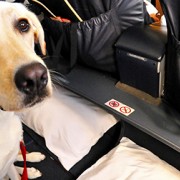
(71, 125)
(128, 161)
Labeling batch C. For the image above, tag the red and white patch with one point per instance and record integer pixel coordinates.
(120, 107)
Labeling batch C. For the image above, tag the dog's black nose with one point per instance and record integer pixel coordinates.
(31, 79)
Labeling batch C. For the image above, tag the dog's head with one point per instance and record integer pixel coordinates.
(24, 78)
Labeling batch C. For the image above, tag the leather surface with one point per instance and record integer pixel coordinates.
(171, 9)
(172, 68)
(146, 41)
(104, 22)
(97, 36)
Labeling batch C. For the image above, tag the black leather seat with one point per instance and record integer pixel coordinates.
(172, 14)
(172, 67)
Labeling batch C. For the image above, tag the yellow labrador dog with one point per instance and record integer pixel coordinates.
(24, 78)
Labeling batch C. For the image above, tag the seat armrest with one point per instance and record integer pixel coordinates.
(140, 59)
(147, 41)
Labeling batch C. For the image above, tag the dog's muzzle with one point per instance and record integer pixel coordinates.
(32, 80)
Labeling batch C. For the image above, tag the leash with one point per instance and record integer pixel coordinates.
(23, 151)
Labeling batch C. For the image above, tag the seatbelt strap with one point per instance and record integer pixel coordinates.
(106, 143)
(73, 44)
(73, 49)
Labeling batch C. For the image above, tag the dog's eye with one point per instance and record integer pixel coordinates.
(23, 25)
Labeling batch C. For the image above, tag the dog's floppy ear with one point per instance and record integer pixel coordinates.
(38, 32)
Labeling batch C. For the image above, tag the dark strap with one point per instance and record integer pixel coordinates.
(19, 1)
(73, 44)
(107, 142)
(56, 60)
(73, 47)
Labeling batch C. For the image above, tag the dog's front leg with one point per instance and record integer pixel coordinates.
(32, 157)
(33, 173)
(13, 174)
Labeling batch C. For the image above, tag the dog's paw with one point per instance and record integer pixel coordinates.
(32, 157)
(35, 157)
(33, 173)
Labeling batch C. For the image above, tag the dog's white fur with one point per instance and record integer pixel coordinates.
(16, 50)
(10, 137)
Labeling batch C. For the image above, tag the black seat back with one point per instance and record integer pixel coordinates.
(172, 14)
(172, 66)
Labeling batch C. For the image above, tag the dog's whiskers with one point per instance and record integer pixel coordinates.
(58, 78)
(50, 57)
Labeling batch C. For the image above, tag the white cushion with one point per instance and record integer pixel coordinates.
(69, 124)
(128, 161)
